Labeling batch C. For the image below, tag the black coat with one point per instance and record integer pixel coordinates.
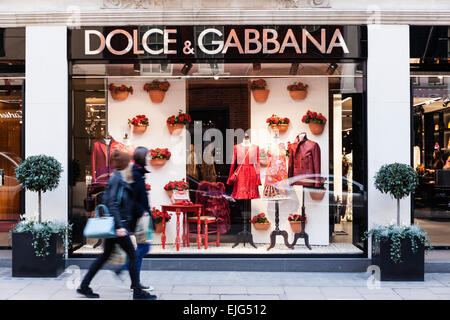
(120, 200)
(140, 192)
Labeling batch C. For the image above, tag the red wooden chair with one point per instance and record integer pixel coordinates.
(202, 230)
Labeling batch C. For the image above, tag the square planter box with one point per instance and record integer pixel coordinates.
(26, 264)
(411, 268)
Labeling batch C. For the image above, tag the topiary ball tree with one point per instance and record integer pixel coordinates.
(39, 173)
(398, 180)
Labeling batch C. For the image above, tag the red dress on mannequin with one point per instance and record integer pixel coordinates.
(248, 179)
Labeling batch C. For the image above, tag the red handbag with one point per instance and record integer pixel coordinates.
(233, 178)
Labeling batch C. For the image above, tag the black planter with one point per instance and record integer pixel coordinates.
(26, 264)
(411, 267)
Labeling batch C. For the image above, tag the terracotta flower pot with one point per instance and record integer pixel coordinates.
(157, 96)
(261, 95)
(169, 193)
(296, 226)
(158, 227)
(175, 128)
(139, 129)
(298, 95)
(261, 226)
(120, 95)
(316, 128)
(317, 194)
(282, 128)
(158, 162)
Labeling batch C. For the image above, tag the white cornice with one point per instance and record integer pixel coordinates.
(223, 17)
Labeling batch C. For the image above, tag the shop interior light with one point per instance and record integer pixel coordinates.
(332, 68)
(214, 68)
(294, 69)
(137, 67)
(256, 66)
(186, 68)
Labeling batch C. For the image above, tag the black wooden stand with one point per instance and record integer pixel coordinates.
(277, 231)
(302, 234)
(245, 236)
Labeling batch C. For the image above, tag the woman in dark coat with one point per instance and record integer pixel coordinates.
(119, 198)
(142, 206)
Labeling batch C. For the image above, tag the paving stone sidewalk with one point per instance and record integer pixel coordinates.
(218, 285)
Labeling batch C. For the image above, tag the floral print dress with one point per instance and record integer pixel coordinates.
(276, 184)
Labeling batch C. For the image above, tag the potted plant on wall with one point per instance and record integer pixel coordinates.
(180, 185)
(318, 192)
(275, 122)
(260, 222)
(259, 91)
(175, 123)
(298, 90)
(297, 221)
(398, 250)
(315, 121)
(139, 124)
(120, 93)
(159, 156)
(39, 246)
(158, 216)
(157, 90)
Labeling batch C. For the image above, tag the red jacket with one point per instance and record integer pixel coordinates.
(304, 158)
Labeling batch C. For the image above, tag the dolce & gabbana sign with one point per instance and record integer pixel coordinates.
(218, 42)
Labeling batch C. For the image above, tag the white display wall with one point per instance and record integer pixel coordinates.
(281, 104)
(156, 136)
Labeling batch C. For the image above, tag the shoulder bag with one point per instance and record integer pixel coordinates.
(100, 227)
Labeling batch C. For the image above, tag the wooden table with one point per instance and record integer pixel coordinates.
(178, 209)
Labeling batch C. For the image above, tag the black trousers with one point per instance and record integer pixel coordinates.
(127, 246)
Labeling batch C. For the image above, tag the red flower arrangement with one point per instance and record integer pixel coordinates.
(259, 84)
(260, 218)
(313, 117)
(183, 118)
(275, 120)
(177, 185)
(148, 187)
(158, 216)
(122, 88)
(139, 120)
(160, 153)
(296, 217)
(297, 86)
(157, 85)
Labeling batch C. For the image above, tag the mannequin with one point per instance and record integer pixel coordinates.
(244, 175)
(304, 159)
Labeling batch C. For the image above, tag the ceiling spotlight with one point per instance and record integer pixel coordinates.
(186, 68)
(256, 66)
(294, 69)
(331, 68)
(137, 67)
(164, 66)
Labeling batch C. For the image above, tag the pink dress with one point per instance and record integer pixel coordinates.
(248, 179)
(276, 184)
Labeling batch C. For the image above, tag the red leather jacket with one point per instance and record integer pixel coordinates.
(304, 158)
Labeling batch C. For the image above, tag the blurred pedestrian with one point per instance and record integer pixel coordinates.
(119, 199)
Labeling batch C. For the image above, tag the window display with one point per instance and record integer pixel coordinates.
(256, 167)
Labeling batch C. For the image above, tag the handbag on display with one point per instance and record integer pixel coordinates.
(100, 227)
(233, 178)
(118, 256)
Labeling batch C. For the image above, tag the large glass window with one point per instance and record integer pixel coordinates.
(238, 155)
(431, 154)
(11, 150)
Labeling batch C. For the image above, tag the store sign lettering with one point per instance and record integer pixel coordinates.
(267, 41)
(11, 115)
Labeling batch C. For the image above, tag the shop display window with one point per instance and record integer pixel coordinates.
(273, 153)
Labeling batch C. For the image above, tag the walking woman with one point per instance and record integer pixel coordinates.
(141, 159)
(119, 199)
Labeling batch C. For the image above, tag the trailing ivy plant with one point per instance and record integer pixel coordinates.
(396, 234)
(42, 232)
(398, 180)
(39, 174)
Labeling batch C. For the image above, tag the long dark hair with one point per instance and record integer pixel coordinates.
(139, 156)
